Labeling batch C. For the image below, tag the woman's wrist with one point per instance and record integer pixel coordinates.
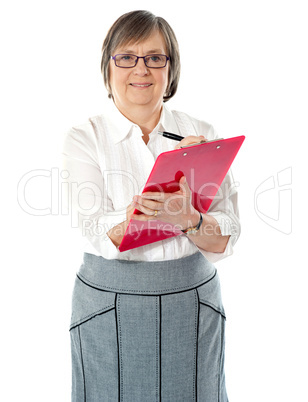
(117, 232)
(194, 224)
(190, 220)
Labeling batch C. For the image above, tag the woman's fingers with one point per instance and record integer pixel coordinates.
(190, 140)
(168, 207)
(129, 211)
(152, 195)
(148, 206)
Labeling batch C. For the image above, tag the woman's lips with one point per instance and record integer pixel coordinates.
(140, 85)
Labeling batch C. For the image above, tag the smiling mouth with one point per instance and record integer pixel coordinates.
(140, 85)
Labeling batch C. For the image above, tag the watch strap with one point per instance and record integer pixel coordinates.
(194, 229)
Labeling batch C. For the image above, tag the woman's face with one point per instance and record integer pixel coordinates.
(139, 85)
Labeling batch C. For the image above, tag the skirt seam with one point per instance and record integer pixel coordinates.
(158, 349)
(196, 344)
(92, 315)
(145, 292)
(82, 367)
(220, 358)
(119, 341)
(160, 355)
(210, 305)
(117, 337)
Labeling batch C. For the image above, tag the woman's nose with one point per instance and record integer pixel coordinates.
(140, 68)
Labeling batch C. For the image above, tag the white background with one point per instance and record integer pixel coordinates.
(244, 70)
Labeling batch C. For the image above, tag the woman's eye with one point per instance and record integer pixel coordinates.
(155, 58)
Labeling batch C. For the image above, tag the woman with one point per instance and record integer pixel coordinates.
(147, 323)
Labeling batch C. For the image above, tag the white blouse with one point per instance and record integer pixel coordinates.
(107, 163)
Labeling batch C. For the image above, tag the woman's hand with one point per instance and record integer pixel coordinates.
(129, 211)
(190, 140)
(174, 208)
(116, 233)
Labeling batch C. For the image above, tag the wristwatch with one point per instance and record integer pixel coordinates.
(194, 229)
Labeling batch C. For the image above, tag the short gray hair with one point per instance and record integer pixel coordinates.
(135, 27)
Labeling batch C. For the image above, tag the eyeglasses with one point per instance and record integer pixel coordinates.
(131, 60)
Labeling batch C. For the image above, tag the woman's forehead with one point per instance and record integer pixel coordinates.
(153, 43)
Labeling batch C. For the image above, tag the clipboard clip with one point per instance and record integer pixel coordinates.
(201, 142)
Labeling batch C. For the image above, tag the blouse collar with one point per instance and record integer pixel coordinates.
(125, 126)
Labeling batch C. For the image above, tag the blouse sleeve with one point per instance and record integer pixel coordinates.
(91, 208)
(224, 209)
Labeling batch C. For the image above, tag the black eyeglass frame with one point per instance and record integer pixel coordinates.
(139, 57)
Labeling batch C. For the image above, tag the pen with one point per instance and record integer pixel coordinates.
(172, 136)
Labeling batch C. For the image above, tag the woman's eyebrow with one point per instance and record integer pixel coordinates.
(155, 51)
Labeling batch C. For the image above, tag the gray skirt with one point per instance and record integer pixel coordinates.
(147, 331)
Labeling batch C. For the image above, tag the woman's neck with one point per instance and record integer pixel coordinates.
(146, 118)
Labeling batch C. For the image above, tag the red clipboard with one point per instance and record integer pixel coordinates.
(205, 166)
